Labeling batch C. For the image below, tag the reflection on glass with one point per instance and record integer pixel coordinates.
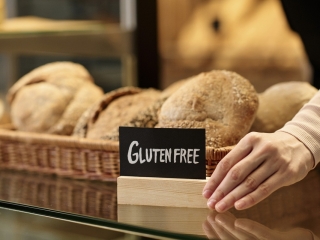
(20, 225)
(227, 226)
(96, 199)
(290, 212)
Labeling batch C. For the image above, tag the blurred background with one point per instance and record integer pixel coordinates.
(151, 43)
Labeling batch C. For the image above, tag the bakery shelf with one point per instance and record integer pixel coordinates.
(72, 37)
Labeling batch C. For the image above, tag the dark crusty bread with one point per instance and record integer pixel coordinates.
(51, 98)
(222, 102)
(116, 108)
(147, 116)
(279, 103)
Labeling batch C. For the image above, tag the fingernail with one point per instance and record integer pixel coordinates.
(221, 206)
(211, 203)
(239, 205)
(207, 193)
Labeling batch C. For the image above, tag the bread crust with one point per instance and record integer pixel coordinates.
(120, 111)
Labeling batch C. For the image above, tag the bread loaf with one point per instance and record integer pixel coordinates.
(51, 98)
(222, 102)
(116, 108)
(279, 103)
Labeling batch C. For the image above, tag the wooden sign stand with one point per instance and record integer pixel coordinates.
(166, 192)
(172, 219)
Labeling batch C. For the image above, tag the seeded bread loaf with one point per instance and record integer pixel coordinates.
(117, 108)
(222, 102)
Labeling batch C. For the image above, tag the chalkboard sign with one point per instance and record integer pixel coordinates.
(162, 152)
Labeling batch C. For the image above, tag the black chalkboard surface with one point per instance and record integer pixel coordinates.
(162, 152)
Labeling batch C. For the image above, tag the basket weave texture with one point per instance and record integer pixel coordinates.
(214, 156)
(70, 156)
(60, 155)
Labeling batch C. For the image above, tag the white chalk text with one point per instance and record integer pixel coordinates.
(141, 155)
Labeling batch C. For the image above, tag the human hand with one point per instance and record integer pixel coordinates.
(226, 226)
(258, 165)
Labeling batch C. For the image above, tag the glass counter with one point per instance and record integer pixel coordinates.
(290, 213)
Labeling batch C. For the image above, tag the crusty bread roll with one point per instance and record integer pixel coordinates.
(279, 103)
(51, 98)
(116, 108)
(222, 102)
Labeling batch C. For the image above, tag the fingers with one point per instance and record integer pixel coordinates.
(234, 177)
(263, 190)
(240, 151)
(258, 165)
(248, 185)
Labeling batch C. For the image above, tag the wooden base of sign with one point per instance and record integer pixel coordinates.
(172, 219)
(168, 192)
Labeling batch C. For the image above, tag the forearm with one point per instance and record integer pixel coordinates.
(305, 126)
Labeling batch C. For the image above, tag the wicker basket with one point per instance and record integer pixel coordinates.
(213, 157)
(60, 155)
(70, 156)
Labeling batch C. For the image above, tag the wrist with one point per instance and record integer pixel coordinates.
(301, 149)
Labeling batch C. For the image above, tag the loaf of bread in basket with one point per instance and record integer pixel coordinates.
(279, 103)
(117, 108)
(221, 102)
(51, 98)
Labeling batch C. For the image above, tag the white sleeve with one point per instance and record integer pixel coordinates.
(305, 126)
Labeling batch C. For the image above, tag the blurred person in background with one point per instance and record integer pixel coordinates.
(261, 163)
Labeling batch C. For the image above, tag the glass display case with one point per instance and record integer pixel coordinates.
(290, 213)
(148, 44)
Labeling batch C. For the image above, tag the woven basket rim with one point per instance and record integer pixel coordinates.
(8, 133)
(58, 140)
(215, 154)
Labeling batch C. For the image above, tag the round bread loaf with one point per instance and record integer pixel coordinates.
(279, 103)
(51, 98)
(222, 102)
